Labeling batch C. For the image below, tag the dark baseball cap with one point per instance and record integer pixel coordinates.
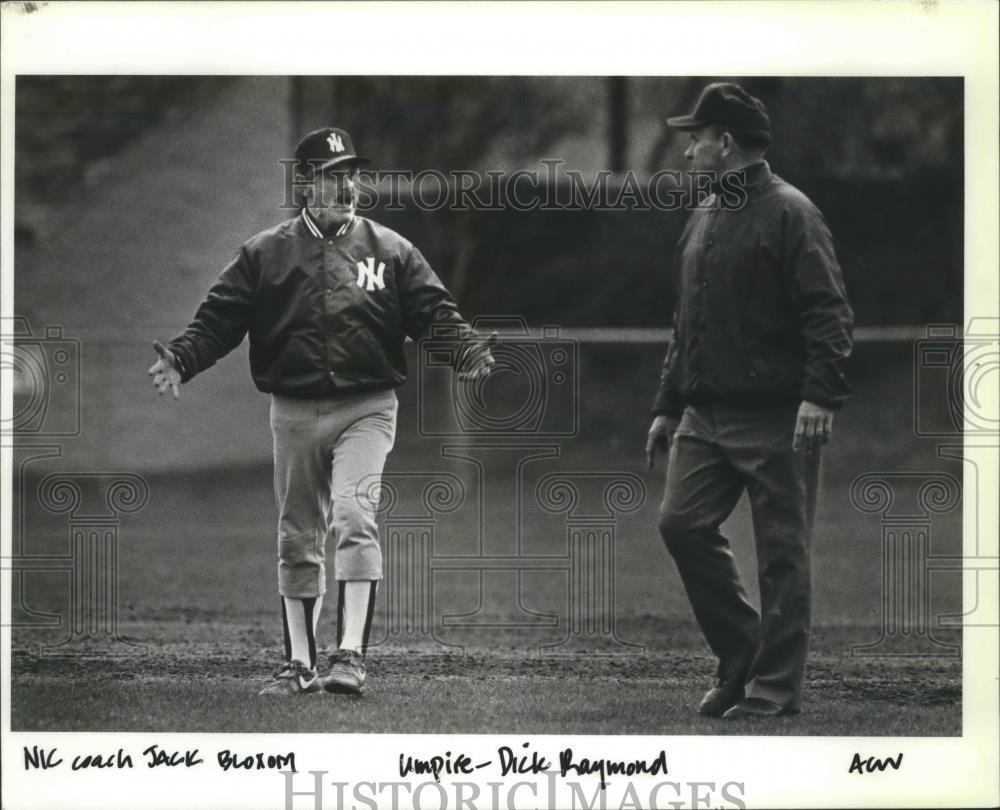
(728, 105)
(326, 147)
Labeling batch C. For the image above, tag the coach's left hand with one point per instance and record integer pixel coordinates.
(813, 427)
(480, 361)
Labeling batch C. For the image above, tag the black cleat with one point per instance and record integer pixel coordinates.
(346, 674)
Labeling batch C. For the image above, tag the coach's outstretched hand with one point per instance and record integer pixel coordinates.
(661, 433)
(164, 371)
(480, 361)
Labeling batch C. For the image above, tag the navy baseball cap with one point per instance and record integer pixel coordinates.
(730, 106)
(326, 147)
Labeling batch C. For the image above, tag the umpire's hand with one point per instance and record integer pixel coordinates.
(813, 427)
(661, 433)
(479, 362)
(164, 371)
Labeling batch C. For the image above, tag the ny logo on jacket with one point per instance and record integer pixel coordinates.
(369, 277)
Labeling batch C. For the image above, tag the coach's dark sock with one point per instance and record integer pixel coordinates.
(300, 620)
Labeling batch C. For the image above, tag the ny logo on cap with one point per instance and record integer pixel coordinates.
(369, 277)
(336, 144)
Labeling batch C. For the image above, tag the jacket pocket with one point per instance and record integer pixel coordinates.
(771, 365)
(364, 358)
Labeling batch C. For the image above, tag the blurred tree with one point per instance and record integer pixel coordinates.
(454, 122)
(618, 123)
(682, 100)
(67, 127)
(863, 127)
(469, 123)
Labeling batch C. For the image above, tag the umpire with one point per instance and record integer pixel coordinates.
(747, 395)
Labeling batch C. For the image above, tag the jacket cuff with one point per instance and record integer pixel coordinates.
(182, 362)
(667, 403)
(831, 400)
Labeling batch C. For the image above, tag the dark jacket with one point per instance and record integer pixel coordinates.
(325, 315)
(762, 315)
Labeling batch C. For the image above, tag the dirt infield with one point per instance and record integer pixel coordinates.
(201, 674)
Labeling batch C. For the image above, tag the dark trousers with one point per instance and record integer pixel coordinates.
(717, 452)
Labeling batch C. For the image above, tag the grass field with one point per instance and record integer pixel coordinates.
(201, 674)
(196, 586)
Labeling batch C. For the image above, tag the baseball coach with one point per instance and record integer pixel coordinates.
(328, 299)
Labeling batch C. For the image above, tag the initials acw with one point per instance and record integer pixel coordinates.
(872, 764)
(369, 276)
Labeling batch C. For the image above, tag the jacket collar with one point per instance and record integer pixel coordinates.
(752, 178)
(311, 227)
(756, 175)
